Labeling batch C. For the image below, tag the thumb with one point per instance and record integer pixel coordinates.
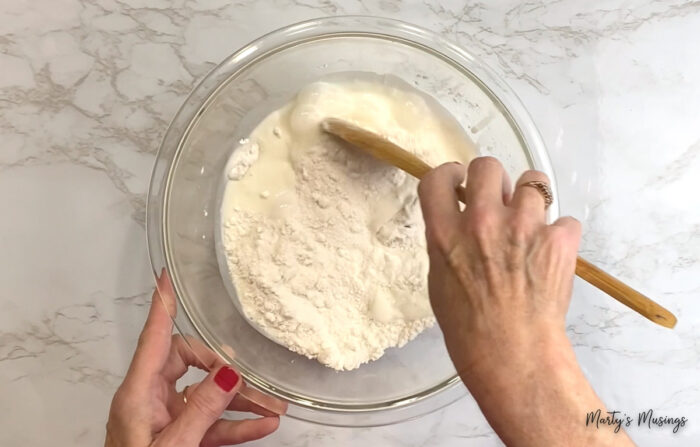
(205, 405)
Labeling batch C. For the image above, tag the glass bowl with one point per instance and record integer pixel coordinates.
(183, 202)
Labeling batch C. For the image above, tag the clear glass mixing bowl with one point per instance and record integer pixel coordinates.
(183, 202)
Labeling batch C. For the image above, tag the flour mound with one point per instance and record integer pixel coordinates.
(324, 283)
(325, 245)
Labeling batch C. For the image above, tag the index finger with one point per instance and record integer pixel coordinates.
(438, 195)
(154, 342)
(487, 183)
(153, 346)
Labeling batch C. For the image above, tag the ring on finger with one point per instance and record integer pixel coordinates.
(184, 394)
(544, 189)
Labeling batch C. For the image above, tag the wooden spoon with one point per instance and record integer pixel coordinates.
(385, 150)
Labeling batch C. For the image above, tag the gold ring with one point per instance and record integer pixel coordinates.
(184, 394)
(544, 189)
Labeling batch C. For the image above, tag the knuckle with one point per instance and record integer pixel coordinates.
(434, 176)
(519, 228)
(142, 338)
(558, 235)
(449, 165)
(482, 162)
(570, 233)
(121, 402)
(567, 226)
(441, 239)
(177, 343)
(118, 399)
(150, 332)
(481, 217)
(427, 182)
(486, 160)
(482, 231)
(424, 185)
(574, 224)
(203, 405)
(534, 176)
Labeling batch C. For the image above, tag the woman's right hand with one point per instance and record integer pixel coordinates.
(500, 282)
(499, 275)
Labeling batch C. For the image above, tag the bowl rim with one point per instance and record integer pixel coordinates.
(398, 31)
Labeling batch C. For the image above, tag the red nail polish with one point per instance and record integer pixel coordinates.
(226, 378)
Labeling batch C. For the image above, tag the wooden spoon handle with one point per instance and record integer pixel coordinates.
(383, 149)
(624, 293)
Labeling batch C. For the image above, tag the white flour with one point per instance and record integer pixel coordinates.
(325, 245)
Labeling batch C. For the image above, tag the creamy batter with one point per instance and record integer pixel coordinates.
(324, 244)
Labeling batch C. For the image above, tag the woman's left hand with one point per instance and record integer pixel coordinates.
(147, 410)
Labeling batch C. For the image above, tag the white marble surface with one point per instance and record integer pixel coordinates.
(87, 88)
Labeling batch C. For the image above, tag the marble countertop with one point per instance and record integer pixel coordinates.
(87, 88)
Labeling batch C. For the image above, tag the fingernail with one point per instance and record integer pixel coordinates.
(226, 378)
